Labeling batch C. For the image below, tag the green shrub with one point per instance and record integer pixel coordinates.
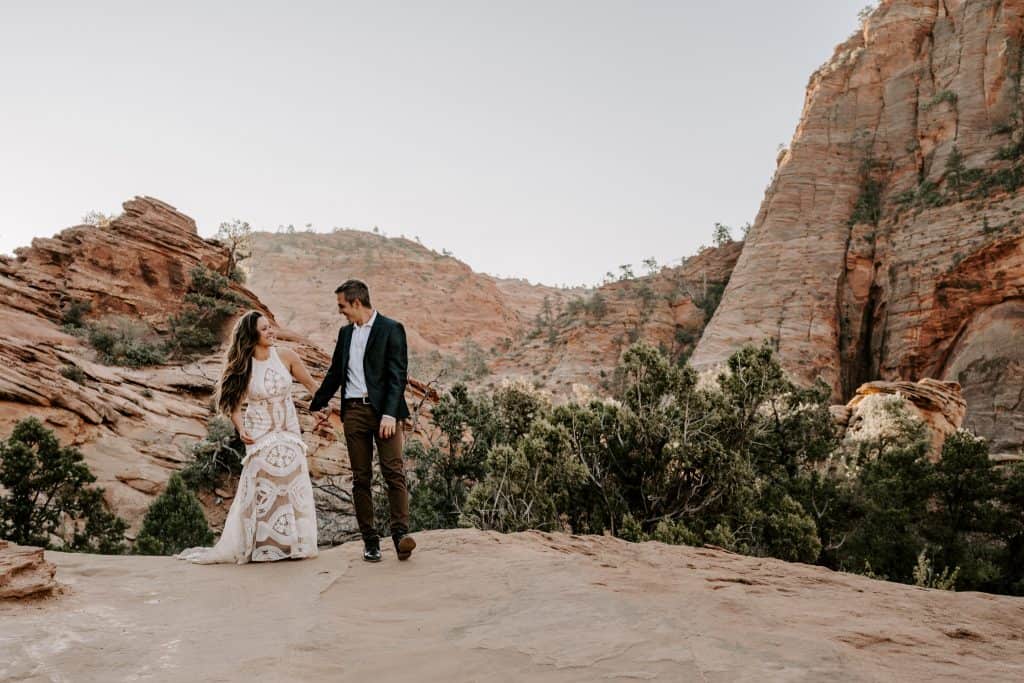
(596, 306)
(122, 341)
(73, 373)
(209, 305)
(955, 172)
(473, 361)
(868, 207)
(214, 457)
(721, 235)
(940, 97)
(1011, 152)
(526, 485)
(710, 298)
(926, 576)
(73, 313)
(1010, 530)
(965, 513)
(749, 462)
(45, 494)
(575, 307)
(174, 521)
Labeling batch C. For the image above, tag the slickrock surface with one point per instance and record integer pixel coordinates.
(925, 290)
(477, 606)
(24, 572)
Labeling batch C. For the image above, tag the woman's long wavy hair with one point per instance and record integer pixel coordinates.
(234, 380)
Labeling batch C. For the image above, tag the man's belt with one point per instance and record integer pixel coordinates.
(359, 400)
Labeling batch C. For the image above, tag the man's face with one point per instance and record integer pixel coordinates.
(349, 310)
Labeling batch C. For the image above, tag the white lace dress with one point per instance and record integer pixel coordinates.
(273, 516)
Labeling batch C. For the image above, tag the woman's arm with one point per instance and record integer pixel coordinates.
(332, 380)
(298, 369)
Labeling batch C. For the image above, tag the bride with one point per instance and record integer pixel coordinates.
(272, 516)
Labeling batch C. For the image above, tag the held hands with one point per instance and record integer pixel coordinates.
(388, 424)
(322, 417)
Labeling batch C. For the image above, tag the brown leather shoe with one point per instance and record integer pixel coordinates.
(404, 545)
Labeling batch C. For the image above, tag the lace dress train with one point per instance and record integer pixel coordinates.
(272, 516)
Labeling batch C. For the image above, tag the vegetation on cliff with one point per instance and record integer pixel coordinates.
(745, 460)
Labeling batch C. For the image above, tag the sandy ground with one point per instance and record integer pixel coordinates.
(476, 606)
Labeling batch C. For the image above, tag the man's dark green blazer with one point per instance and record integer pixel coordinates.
(385, 365)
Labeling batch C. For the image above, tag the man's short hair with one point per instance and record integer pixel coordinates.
(355, 290)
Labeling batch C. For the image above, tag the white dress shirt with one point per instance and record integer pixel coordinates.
(355, 381)
(355, 384)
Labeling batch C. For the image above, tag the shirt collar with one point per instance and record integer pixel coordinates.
(369, 322)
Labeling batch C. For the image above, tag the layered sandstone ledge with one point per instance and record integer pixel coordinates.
(24, 572)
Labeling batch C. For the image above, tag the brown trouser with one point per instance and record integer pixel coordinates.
(362, 429)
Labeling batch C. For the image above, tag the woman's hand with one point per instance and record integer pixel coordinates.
(245, 436)
(243, 433)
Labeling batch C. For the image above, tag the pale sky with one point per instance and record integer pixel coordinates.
(551, 140)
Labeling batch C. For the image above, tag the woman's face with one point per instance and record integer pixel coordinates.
(266, 332)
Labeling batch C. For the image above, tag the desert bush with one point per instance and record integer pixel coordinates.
(99, 219)
(940, 97)
(596, 306)
(214, 457)
(473, 361)
(46, 498)
(926, 576)
(721, 235)
(173, 522)
(710, 298)
(868, 207)
(664, 459)
(895, 507)
(73, 312)
(743, 459)
(73, 373)
(526, 486)
(210, 303)
(120, 340)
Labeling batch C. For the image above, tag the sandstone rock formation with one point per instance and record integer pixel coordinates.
(474, 605)
(441, 301)
(134, 426)
(889, 243)
(24, 572)
(489, 329)
(938, 404)
(581, 346)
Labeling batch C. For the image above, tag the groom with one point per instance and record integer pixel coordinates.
(369, 363)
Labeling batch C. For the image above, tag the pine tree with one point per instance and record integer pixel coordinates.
(174, 521)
